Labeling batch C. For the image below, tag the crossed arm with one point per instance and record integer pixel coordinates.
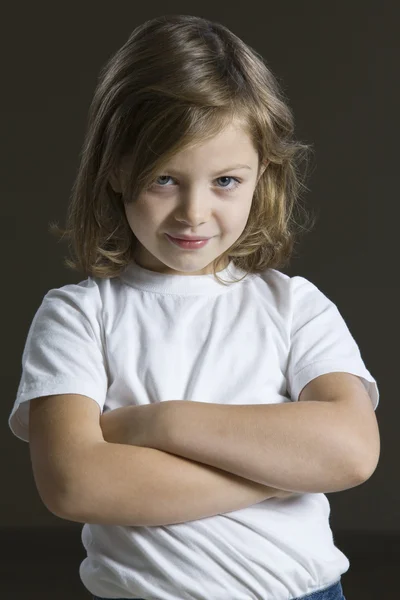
(326, 442)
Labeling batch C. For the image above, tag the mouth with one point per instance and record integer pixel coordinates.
(188, 244)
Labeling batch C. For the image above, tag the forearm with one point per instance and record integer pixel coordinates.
(300, 447)
(134, 486)
(190, 490)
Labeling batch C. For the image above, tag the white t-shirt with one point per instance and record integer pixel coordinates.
(150, 337)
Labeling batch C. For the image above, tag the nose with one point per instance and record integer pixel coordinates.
(194, 207)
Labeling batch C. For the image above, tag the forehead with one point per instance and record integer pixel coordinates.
(230, 148)
(232, 144)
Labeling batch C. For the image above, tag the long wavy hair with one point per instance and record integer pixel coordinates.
(177, 81)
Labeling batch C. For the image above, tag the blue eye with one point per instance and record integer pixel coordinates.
(236, 182)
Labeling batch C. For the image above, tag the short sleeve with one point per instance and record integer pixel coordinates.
(63, 352)
(321, 342)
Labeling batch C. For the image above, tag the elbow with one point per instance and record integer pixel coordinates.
(61, 506)
(73, 506)
(368, 462)
(65, 510)
(66, 502)
(345, 473)
(53, 499)
(367, 468)
(366, 446)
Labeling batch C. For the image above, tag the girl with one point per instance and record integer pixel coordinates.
(182, 214)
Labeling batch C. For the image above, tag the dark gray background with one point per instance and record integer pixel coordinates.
(339, 65)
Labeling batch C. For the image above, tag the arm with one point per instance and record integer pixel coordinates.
(82, 478)
(328, 443)
(172, 489)
(134, 486)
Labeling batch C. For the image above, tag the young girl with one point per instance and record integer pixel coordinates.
(188, 401)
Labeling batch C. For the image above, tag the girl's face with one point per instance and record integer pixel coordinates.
(200, 193)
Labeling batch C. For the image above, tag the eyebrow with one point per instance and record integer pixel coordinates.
(231, 168)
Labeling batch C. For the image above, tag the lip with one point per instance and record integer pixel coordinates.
(188, 238)
(188, 244)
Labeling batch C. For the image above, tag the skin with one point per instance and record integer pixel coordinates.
(196, 195)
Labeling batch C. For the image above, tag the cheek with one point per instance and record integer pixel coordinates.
(142, 219)
(237, 217)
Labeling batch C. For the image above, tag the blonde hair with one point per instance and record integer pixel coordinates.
(179, 80)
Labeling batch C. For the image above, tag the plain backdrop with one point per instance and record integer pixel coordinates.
(339, 66)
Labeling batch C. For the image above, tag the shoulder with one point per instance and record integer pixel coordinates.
(288, 283)
(70, 306)
(86, 295)
(293, 291)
